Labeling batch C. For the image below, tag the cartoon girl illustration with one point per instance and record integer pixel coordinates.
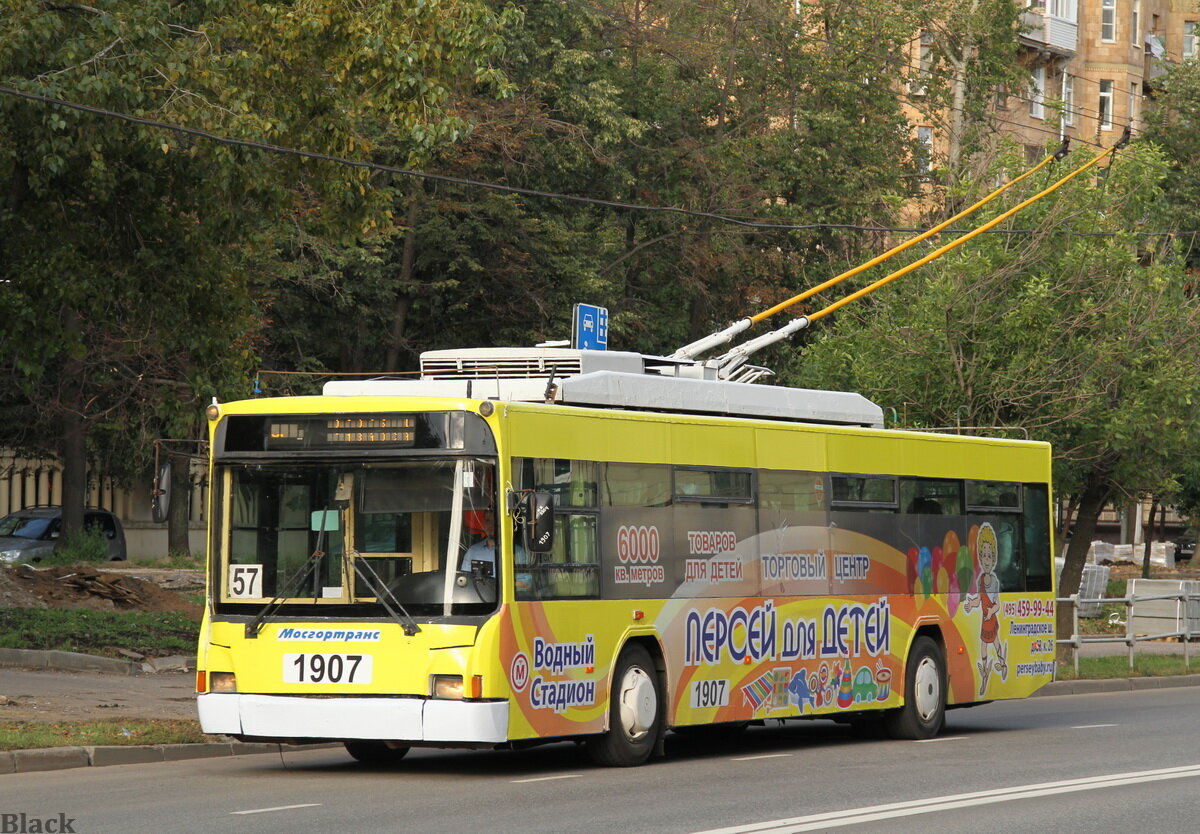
(987, 599)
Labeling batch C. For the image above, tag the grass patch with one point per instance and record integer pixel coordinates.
(88, 546)
(1144, 666)
(23, 735)
(97, 632)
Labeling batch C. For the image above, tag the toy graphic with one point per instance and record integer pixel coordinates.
(987, 599)
(911, 570)
(845, 696)
(822, 685)
(864, 685)
(800, 691)
(883, 679)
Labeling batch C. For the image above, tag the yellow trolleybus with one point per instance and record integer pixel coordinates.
(541, 544)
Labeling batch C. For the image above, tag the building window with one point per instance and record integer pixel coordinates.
(1189, 40)
(1106, 105)
(924, 149)
(1002, 96)
(1133, 97)
(1063, 9)
(1108, 20)
(924, 64)
(1037, 93)
(1068, 99)
(1135, 9)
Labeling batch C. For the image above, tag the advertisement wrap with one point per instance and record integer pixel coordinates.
(796, 621)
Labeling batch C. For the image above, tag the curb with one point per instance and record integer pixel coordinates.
(67, 661)
(63, 758)
(77, 662)
(1088, 687)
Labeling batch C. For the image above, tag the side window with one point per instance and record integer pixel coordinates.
(926, 496)
(636, 485)
(995, 507)
(864, 492)
(792, 492)
(1035, 525)
(571, 570)
(721, 486)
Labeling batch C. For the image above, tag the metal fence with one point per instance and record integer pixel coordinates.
(1185, 601)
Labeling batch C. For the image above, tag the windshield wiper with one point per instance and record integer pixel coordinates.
(288, 588)
(363, 568)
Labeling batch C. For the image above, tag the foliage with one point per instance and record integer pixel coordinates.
(132, 256)
(735, 109)
(27, 735)
(88, 545)
(97, 632)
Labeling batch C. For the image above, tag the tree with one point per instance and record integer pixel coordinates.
(739, 109)
(128, 251)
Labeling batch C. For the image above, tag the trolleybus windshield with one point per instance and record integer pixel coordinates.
(353, 537)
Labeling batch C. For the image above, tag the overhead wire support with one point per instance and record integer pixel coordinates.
(703, 345)
(729, 363)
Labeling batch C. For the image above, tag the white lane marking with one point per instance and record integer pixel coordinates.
(279, 808)
(764, 756)
(940, 738)
(875, 813)
(548, 778)
(1092, 726)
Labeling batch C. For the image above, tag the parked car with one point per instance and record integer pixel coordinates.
(29, 535)
(1185, 547)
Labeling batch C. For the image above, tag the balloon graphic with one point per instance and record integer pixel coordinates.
(925, 569)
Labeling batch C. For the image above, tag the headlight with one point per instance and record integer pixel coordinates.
(448, 686)
(222, 682)
(11, 555)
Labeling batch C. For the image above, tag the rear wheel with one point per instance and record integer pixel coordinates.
(924, 710)
(634, 712)
(375, 752)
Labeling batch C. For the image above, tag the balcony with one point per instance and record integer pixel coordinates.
(1045, 31)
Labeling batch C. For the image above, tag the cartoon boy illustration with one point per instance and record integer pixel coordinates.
(987, 599)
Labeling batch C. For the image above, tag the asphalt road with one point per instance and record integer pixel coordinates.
(1126, 761)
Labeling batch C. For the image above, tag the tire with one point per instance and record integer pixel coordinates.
(375, 752)
(635, 713)
(924, 710)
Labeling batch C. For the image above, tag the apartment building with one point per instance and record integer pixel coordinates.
(1099, 61)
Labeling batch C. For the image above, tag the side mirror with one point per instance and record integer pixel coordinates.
(539, 522)
(160, 495)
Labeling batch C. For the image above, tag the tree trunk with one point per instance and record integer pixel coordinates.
(403, 298)
(74, 441)
(1149, 539)
(1091, 502)
(178, 537)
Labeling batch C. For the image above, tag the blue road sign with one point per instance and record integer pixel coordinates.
(589, 330)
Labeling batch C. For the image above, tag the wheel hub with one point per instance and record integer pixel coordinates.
(638, 703)
(928, 687)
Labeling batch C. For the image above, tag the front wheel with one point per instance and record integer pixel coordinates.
(924, 710)
(375, 752)
(634, 712)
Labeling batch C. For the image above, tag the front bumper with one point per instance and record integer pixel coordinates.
(393, 719)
